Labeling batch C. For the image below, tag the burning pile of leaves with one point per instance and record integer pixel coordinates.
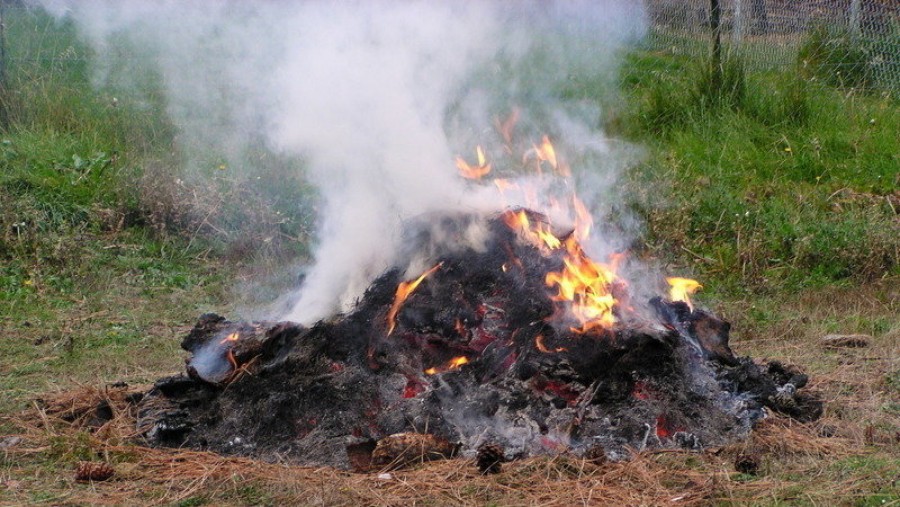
(525, 345)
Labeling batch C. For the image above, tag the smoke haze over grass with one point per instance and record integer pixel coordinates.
(377, 98)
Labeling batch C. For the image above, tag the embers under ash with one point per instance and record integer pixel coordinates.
(474, 354)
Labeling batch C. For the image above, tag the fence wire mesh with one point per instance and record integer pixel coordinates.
(852, 43)
(843, 42)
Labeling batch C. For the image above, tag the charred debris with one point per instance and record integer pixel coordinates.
(480, 351)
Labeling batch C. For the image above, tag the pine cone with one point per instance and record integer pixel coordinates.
(489, 458)
(402, 449)
(747, 464)
(90, 471)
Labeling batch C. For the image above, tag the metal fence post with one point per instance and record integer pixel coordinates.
(737, 30)
(715, 21)
(855, 17)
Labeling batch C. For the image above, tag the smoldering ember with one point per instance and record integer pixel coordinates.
(524, 344)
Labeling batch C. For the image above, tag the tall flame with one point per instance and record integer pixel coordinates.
(506, 127)
(588, 291)
(586, 287)
(229, 354)
(583, 220)
(538, 233)
(403, 292)
(545, 152)
(680, 289)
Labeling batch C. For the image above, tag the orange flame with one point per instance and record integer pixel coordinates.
(403, 292)
(474, 172)
(590, 292)
(546, 152)
(517, 220)
(583, 220)
(506, 126)
(453, 364)
(458, 361)
(586, 287)
(229, 354)
(503, 184)
(539, 344)
(681, 289)
(231, 359)
(539, 233)
(233, 337)
(548, 238)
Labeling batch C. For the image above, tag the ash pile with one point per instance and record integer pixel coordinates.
(525, 344)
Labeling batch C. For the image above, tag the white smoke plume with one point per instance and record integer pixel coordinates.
(377, 97)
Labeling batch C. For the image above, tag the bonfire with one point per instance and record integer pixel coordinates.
(517, 346)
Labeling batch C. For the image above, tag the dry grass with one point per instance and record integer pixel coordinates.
(801, 464)
(175, 475)
(849, 457)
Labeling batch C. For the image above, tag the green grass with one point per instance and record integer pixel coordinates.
(98, 308)
(76, 152)
(108, 248)
(783, 185)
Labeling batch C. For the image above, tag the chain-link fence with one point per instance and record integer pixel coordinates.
(843, 42)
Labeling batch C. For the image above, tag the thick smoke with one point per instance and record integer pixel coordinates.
(376, 97)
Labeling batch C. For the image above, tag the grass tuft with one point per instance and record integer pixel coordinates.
(719, 85)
